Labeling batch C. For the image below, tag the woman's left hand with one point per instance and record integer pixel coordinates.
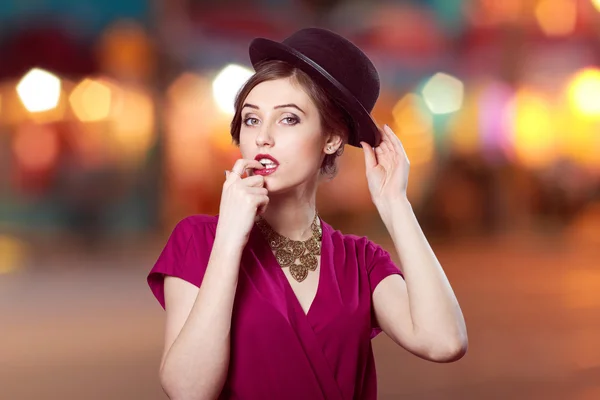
(387, 168)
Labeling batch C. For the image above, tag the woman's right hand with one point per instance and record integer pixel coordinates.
(241, 200)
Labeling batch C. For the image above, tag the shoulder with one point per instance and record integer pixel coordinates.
(193, 224)
(191, 232)
(362, 245)
(338, 237)
(199, 220)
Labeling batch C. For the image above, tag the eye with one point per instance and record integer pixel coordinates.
(250, 121)
(291, 120)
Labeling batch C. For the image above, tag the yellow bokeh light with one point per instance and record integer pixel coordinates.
(91, 100)
(535, 140)
(584, 92)
(189, 117)
(414, 128)
(596, 4)
(580, 141)
(133, 124)
(12, 254)
(413, 125)
(556, 17)
(125, 50)
(39, 90)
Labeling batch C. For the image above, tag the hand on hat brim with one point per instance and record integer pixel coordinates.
(387, 168)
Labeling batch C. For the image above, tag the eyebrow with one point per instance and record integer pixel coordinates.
(292, 105)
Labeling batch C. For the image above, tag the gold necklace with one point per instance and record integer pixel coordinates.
(299, 255)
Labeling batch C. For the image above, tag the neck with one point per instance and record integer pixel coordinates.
(292, 214)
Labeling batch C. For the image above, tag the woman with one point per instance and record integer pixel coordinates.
(266, 300)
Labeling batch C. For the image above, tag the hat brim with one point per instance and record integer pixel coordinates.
(365, 128)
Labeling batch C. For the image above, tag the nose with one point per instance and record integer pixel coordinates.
(264, 137)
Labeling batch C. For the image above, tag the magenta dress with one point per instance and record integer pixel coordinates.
(278, 351)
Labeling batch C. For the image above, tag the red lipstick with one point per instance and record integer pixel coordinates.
(270, 164)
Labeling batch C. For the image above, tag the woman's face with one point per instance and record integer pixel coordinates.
(281, 127)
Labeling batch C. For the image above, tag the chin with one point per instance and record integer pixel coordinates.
(276, 185)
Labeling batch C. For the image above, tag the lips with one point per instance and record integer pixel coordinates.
(270, 164)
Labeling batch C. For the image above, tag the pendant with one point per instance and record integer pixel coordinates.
(299, 272)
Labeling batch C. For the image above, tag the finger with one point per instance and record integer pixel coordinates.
(231, 176)
(263, 204)
(370, 158)
(386, 142)
(227, 180)
(254, 181)
(257, 191)
(398, 145)
(243, 164)
(394, 139)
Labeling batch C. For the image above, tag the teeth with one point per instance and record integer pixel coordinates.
(266, 162)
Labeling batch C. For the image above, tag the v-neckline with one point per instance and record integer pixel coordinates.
(272, 261)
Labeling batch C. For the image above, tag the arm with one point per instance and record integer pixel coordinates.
(421, 312)
(196, 355)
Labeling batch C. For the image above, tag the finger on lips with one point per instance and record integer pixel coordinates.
(242, 165)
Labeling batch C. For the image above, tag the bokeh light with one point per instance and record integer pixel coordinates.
(188, 123)
(495, 116)
(414, 127)
(36, 146)
(91, 100)
(12, 254)
(534, 140)
(556, 17)
(227, 84)
(39, 90)
(132, 125)
(584, 91)
(443, 94)
(125, 50)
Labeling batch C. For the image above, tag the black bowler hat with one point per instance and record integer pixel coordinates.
(335, 64)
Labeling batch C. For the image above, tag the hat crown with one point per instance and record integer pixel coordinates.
(343, 60)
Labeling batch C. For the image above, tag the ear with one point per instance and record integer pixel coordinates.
(333, 143)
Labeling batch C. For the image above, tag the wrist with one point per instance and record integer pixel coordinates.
(228, 243)
(388, 205)
(394, 209)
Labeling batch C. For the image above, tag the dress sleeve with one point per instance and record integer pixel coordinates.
(185, 256)
(379, 266)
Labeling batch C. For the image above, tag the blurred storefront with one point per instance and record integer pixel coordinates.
(122, 122)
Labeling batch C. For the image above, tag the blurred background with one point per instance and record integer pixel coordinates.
(114, 121)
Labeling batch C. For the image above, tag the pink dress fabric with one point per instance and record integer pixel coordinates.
(278, 351)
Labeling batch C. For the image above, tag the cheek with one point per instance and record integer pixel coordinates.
(304, 157)
(245, 145)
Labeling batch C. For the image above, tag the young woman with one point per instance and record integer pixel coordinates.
(266, 300)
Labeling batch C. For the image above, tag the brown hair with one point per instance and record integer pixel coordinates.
(334, 119)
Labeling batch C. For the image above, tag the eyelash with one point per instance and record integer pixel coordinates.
(295, 120)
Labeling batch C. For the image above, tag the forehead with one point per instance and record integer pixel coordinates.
(269, 94)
